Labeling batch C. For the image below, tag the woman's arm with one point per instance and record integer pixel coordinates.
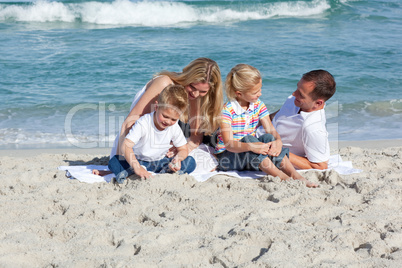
(194, 141)
(143, 106)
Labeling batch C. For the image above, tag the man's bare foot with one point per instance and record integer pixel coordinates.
(308, 183)
(101, 172)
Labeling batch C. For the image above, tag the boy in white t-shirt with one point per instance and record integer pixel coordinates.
(150, 138)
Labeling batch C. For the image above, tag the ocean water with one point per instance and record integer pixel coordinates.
(70, 69)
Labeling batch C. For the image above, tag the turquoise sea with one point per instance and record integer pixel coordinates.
(70, 69)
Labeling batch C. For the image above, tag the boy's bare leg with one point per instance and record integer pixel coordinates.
(289, 169)
(101, 172)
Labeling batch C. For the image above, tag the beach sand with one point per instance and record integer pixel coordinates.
(48, 220)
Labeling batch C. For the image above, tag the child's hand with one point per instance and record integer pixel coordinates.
(275, 148)
(142, 172)
(260, 147)
(175, 165)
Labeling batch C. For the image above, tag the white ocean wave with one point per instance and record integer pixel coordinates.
(155, 13)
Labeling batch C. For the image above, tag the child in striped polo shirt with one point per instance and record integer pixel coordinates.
(237, 147)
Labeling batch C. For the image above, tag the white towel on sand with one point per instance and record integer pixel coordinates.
(205, 163)
(84, 173)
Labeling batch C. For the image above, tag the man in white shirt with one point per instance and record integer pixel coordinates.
(301, 121)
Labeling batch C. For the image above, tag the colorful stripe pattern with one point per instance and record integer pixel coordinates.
(243, 124)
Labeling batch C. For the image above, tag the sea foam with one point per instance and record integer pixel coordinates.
(155, 13)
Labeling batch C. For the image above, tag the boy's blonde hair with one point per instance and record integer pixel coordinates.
(241, 78)
(203, 70)
(174, 97)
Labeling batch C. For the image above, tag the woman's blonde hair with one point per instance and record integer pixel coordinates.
(203, 70)
(241, 78)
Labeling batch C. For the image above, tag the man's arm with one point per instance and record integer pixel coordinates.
(303, 163)
(272, 115)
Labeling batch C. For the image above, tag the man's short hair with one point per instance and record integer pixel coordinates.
(325, 85)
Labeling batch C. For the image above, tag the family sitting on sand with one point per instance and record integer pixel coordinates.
(175, 106)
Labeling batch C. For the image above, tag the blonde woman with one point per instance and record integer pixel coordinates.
(202, 81)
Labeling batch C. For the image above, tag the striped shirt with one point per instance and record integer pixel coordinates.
(243, 122)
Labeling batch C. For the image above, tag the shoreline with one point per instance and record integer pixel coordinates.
(35, 152)
(367, 144)
(335, 146)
